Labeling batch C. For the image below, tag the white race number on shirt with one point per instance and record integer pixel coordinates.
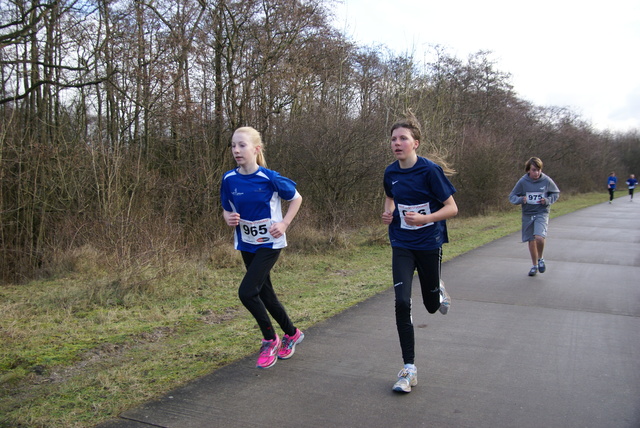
(421, 209)
(256, 232)
(534, 197)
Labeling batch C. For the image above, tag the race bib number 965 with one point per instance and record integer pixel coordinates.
(420, 209)
(255, 232)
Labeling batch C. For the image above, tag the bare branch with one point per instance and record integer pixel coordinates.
(57, 84)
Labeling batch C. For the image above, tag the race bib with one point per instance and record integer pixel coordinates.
(534, 197)
(256, 232)
(421, 209)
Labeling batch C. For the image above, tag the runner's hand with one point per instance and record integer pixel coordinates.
(232, 219)
(387, 217)
(277, 229)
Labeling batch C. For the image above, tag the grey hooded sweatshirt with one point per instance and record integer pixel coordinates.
(534, 190)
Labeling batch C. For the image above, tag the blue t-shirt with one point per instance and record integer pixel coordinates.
(632, 183)
(422, 188)
(257, 198)
(611, 182)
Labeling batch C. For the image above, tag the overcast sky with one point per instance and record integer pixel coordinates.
(584, 55)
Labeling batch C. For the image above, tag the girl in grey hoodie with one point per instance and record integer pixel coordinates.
(536, 192)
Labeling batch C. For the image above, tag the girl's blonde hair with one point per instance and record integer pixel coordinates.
(255, 139)
(411, 123)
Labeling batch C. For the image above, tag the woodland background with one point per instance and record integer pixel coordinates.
(115, 119)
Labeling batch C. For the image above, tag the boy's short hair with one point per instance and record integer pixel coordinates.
(533, 162)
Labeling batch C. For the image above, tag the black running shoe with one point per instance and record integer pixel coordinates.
(541, 266)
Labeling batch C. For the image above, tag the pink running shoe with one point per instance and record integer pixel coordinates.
(268, 353)
(289, 344)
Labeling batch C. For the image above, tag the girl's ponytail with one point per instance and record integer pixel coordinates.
(260, 157)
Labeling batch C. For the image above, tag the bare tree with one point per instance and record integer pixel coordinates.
(115, 117)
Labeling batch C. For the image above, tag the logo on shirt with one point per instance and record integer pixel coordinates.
(394, 182)
(236, 193)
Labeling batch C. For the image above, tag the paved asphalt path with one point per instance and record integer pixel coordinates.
(561, 349)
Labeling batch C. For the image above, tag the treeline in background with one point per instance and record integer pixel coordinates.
(115, 119)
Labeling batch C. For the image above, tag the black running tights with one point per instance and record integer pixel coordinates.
(404, 264)
(257, 295)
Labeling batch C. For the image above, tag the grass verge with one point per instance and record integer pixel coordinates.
(79, 350)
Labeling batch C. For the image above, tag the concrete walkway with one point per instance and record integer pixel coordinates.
(561, 349)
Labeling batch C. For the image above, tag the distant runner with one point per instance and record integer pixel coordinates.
(535, 191)
(612, 181)
(631, 184)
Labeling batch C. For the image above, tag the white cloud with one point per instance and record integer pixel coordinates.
(582, 55)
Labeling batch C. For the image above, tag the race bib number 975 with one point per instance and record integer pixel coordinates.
(534, 197)
(420, 209)
(255, 232)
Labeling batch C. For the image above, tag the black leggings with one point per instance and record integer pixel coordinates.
(404, 264)
(611, 194)
(257, 295)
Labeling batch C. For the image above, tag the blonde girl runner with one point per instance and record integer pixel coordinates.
(251, 198)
